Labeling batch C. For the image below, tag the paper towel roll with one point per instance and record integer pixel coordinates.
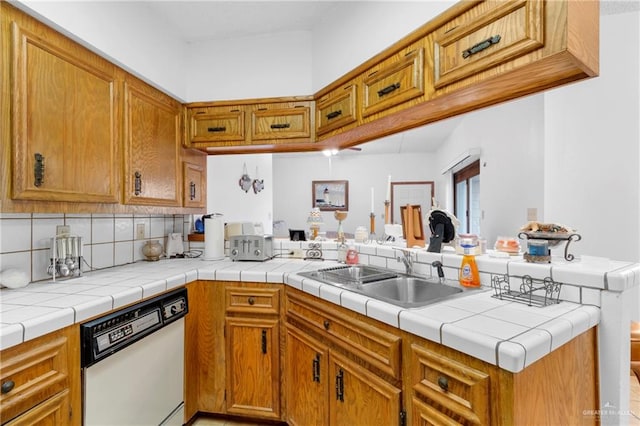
(213, 238)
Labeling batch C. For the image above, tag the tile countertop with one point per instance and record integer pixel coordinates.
(502, 333)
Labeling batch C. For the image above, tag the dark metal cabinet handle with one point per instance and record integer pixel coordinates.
(316, 368)
(481, 46)
(137, 183)
(326, 324)
(7, 386)
(388, 89)
(281, 126)
(192, 191)
(216, 129)
(38, 170)
(264, 342)
(443, 382)
(334, 114)
(340, 386)
(251, 300)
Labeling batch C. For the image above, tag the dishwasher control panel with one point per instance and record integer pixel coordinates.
(110, 333)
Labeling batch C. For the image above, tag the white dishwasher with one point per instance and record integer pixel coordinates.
(133, 364)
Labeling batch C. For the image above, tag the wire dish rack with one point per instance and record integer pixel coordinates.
(359, 274)
(532, 292)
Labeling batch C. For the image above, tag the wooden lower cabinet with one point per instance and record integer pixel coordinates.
(361, 397)
(272, 352)
(306, 379)
(253, 367)
(41, 380)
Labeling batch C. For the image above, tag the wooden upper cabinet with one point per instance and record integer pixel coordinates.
(216, 126)
(65, 118)
(488, 35)
(281, 122)
(152, 146)
(394, 81)
(337, 109)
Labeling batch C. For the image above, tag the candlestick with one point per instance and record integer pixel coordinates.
(387, 212)
(372, 203)
(388, 188)
(372, 225)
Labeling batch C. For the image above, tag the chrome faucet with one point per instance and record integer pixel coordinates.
(406, 259)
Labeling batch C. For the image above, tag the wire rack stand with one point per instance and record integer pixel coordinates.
(532, 292)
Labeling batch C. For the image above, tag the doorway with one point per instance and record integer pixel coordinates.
(466, 198)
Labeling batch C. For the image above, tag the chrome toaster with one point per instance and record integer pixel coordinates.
(251, 247)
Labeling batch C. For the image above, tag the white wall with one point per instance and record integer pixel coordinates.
(257, 67)
(345, 40)
(592, 139)
(225, 196)
(292, 176)
(127, 33)
(510, 137)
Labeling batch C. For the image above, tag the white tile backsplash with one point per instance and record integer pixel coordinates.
(15, 236)
(108, 239)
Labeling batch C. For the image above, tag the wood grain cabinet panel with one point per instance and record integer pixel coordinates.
(194, 181)
(452, 391)
(489, 35)
(216, 126)
(281, 122)
(337, 109)
(394, 81)
(307, 383)
(41, 380)
(152, 146)
(253, 366)
(65, 118)
(252, 300)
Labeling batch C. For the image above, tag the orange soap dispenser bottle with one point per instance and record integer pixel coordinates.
(469, 275)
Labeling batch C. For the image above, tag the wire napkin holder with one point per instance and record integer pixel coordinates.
(532, 292)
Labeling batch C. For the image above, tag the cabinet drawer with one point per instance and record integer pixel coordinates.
(216, 124)
(371, 344)
(394, 81)
(252, 300)
(32, 375)
(451, 389)
(336, 109)
(282, 122)
(488, 35)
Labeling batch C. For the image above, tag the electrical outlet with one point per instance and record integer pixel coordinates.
(532, 214)
(296, 253)
(140, 231)
(63, 230)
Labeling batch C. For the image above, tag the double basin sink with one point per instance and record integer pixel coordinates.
(403, 290)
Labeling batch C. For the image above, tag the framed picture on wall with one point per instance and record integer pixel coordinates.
(330, 195)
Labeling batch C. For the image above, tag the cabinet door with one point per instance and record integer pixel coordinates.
(306, 379)
(447, 390)
(290, 121)
(216, 126)
(485, 37)
(394, 81)
(65, 115)
(54, 411)
(152, 146)
(253, 367)
(194, 182)
(336, 109)
(360, 396)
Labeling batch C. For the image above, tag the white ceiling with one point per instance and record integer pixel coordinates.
(195, 21)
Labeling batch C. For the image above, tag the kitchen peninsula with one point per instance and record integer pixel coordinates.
(516, 339)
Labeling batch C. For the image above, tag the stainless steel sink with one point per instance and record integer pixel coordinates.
(396, 288)
(408, 291)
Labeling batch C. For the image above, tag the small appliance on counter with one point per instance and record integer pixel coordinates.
(251, 247)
